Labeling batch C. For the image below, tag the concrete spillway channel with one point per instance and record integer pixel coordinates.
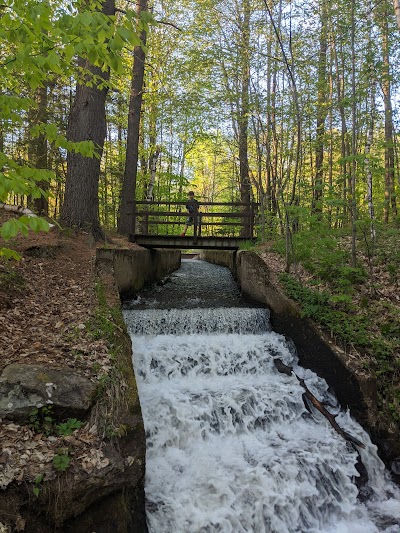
(231, 444)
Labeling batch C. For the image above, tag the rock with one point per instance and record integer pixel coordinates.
(395, 466)
(43, 251)
(24, 387)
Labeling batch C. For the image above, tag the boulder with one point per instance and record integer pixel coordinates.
(24, 387)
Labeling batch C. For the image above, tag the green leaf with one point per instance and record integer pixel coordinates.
(39, 479)
(51, 132)
(7, 253)
(69, 52)
(10, 229)
(36, 491)
(61, 462)
(129, 36)
(38, 224)
(68, 427)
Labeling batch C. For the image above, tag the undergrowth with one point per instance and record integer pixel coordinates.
(117, 393)
(354, 304)
(11, 280)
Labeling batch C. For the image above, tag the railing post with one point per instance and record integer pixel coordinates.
(145, 223)
(246, 221)
(251, 221)
(134, 217)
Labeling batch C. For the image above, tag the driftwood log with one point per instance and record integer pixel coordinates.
(308, 395)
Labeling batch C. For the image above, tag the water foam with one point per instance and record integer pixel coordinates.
(179, 321)
(231, 446)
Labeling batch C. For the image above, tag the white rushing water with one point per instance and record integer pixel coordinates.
(231, 446)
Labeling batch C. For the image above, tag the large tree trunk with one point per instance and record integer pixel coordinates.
(37, 149)
(243, 119)
(126, 223)
(87, 121)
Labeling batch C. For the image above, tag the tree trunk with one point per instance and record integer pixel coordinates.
(368, 166)
(353, 205)
(150, 164)
(128, 193)
(370, 136)
(37, 149)
(87, 121)
(243, 119)
(396, 5)
(344, 136)
(321, 114)
(390, 199)
(153, 168)
(331, 146)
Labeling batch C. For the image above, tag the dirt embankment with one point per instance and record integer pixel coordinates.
(60, 313)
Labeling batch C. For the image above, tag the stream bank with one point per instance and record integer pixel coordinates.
(89, 478)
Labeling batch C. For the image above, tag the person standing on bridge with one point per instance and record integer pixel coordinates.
(192, 207)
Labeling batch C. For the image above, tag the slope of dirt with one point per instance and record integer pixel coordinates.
(48, 303)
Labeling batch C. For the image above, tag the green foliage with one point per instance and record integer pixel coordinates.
(391, 328)
(43, 38)
(22, 180)
(40, 41)
(375, 333)
(61, 462)
(317, 305)
(392, 268)
(53, 135)
(12, 227)
(322, 252)
(68, 427)
(248, 245)
(11, 279)
(7, 253)
(341, 301)
(37, 487)
(43, 420)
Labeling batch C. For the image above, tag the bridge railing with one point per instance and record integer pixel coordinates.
(214, 219)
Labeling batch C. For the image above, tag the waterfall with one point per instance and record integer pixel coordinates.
(231, 446)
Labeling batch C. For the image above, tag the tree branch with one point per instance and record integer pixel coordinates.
(288, 370)
(168, 24)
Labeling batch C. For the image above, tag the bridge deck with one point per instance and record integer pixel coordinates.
(219, 243)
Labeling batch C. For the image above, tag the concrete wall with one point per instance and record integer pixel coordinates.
(353, 386)
(124, 272)
(135, 268)
(225, 258)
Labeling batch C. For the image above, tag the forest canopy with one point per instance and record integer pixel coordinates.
(288, 104)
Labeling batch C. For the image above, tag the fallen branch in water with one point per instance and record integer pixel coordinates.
(288, 370)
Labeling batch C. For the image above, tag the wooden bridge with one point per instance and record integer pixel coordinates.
(222, 226)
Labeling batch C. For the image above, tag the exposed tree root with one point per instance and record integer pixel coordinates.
(288, 370)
